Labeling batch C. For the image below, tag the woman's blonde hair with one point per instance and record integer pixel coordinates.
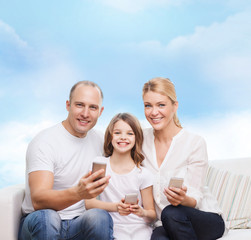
(133, 122)
(165, 87)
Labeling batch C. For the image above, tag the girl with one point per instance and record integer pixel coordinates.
(122, 147)
(189, 212)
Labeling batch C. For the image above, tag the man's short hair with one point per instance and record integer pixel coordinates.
(86, 83)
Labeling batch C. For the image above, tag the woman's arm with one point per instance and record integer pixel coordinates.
(148, 211)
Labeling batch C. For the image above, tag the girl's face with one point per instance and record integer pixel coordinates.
(123, 137)
(159, 110)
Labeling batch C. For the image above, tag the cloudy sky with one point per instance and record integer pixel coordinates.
(203, 46)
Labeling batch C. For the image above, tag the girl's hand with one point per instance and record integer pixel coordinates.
(137, 210)
(123, 208)
(176, 196)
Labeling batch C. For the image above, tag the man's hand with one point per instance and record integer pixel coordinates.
(88, 188)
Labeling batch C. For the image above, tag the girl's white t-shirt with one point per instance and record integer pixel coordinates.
(121, 184)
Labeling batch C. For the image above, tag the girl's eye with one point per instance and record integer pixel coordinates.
(116, 132)
(131, 133)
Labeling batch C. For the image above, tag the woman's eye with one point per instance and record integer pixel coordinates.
(147, 105)
(162, 105)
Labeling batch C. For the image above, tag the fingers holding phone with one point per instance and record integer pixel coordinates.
(175, 192)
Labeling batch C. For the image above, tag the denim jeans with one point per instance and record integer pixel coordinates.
(183, 223)
(93, 224)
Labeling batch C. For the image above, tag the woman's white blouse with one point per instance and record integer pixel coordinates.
(186, 158)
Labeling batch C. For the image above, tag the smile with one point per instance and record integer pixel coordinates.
(123, 144)
(156, 120)
(83, 121)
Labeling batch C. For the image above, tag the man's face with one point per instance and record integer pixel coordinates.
(84, 110)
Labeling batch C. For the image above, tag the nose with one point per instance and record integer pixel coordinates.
(154, 111)
(85, 112)
(123, 136)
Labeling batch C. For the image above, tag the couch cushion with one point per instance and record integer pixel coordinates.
(233, 192)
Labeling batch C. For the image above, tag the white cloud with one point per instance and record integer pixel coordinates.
(220, 55)
(227, 136)
(14, 139)
(133, 6)
(9, 36)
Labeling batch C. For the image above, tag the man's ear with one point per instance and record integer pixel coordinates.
(101, 110)
(68, 105)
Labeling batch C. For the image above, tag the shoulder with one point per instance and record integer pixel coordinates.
(145, 176)
(148, 135)
(46, 134)
(147, 132)
(143, 171)
(192, 138)
(95, 134)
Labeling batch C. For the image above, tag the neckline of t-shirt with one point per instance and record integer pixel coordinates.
(69, 135)
(118, 174)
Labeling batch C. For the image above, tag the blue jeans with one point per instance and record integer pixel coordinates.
(183, 223)
(93, 224)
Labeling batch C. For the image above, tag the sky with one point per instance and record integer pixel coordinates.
(203, 46)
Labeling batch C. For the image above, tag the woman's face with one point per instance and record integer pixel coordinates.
(159, 110)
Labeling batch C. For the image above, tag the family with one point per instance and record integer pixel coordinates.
(64, 199)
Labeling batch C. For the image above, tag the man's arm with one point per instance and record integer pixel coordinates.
(44, 197)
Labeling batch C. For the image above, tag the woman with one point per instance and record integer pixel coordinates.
(189, 212)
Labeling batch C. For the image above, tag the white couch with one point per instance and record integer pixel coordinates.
(220, 173)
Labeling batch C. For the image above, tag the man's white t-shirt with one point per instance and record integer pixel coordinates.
(67, 157)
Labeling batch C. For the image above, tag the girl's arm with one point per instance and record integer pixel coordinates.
(148, 210)
(95, 203)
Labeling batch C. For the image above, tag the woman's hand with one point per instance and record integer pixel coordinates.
(176, 196)
(123, 208)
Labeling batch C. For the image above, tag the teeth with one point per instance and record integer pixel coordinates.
(122, 144)
(82, 121)
(156, 119)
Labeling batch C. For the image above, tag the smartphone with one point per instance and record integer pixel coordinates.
(176, 182)
(97, 166)
(131, 198)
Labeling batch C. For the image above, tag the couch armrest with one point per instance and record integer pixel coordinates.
(11, 199)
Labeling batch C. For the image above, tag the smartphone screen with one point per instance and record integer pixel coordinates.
(97, 166)
(176, 182)
(131, 198)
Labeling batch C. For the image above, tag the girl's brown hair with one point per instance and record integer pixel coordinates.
(133, 122)
(165, 87)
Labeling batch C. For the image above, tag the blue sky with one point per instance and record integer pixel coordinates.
(203, 46)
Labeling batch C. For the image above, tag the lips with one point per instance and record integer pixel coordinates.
(156, 120)
(123, 144)
(83, 122)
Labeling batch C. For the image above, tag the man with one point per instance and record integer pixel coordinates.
(57, 174)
